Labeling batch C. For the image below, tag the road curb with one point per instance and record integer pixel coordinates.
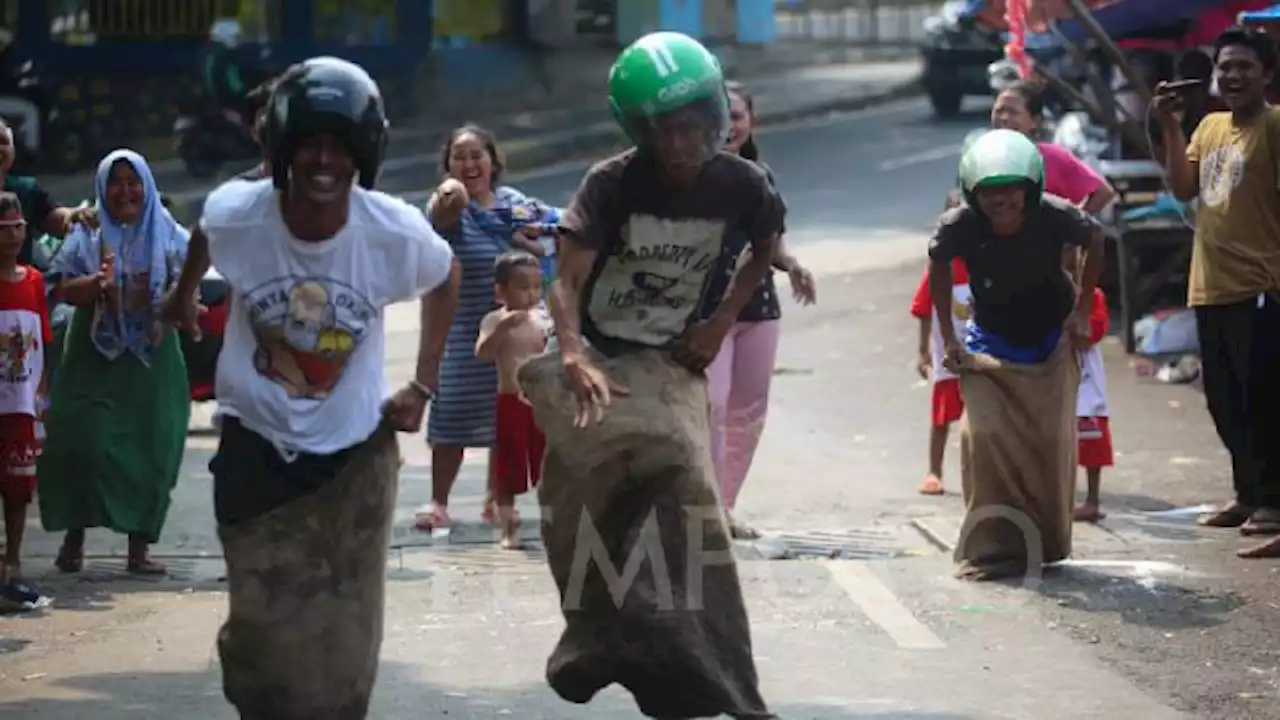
(582, 143)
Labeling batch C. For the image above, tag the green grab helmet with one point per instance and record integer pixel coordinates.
(1001, 157)
(663, 72)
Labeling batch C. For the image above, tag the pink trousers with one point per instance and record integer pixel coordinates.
(739, 385)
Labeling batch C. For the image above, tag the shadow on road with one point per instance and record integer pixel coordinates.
(401, 693)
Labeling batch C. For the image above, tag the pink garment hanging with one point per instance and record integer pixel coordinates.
(1016, 49)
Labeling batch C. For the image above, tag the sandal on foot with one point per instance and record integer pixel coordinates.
(435, 517)
(1264, 521)
(932, 486)
(145, 566)
(1088, 513)
(69, 561)
(1231, 516)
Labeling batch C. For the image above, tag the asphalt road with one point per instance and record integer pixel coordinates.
(1156, 620)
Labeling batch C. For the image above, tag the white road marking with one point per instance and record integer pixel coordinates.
(919, 158)
(882, 606)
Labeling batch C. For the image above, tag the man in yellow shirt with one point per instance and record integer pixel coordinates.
(1232, 163)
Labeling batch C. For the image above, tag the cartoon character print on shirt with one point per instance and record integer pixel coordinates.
(649, 289)
(1221, 171)
(16, 348)
(307, 330)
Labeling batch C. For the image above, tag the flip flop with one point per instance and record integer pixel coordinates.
(1231, 516)
(435, 517)
(1265, 521)
(932, 486)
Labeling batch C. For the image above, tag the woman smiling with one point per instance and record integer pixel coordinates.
(118, 413)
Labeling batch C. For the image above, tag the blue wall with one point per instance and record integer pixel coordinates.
(681, 16)
(755, 19)
(756, 22)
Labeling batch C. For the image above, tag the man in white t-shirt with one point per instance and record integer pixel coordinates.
(307, 462)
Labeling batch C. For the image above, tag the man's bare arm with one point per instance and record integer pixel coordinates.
(434, 320)
(574, 267)
(195, 266)
(1183, 178)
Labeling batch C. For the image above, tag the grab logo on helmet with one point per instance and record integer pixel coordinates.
(678, 90)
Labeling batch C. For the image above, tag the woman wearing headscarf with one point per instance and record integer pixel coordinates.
(118, 413)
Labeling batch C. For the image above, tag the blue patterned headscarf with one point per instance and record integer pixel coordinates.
(151, 251)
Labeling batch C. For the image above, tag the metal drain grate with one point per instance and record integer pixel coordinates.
(861, 544)
(481, 557)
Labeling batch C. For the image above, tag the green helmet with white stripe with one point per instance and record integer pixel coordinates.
(1001, 157)
(665, 79)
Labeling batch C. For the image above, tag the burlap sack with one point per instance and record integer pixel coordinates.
(306, 588)
(1018, 464)
(636, 496)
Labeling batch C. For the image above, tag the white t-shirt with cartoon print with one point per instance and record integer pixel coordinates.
(303, 354)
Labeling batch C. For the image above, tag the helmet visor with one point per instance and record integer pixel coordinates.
(688, 135)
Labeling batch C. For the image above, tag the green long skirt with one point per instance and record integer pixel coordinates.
(116, 432)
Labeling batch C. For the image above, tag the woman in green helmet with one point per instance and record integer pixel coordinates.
(640, 239)
(1018, 372)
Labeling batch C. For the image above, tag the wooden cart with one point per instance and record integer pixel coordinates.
(1151, 255)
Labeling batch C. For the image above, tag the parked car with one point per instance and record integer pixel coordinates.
(201, 357)
(957, 50)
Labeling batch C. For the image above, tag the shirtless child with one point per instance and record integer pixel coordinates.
(509, 336)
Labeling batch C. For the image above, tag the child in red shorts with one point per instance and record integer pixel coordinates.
(1094, 430)
(948, 405)
(509, 336)
(24, 334)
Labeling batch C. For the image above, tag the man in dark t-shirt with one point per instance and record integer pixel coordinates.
(654, 252)
(639, 245)
(1021, 383)
(1012, 239)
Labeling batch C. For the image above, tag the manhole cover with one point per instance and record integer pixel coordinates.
(863, 544)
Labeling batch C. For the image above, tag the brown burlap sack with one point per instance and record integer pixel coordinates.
(1018, 464)
(638, 546)
(306, 584)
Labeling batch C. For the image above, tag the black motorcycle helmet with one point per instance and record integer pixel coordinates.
(326, 95)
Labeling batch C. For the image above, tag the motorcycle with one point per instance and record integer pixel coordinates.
(201, 356)
(210, 137)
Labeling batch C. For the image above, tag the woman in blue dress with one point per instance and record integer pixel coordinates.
(481, 220)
